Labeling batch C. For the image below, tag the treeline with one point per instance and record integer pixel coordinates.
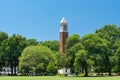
(92, 53)
(11, 48)
(95, 53)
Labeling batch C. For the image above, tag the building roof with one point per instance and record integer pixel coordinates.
(63, 21)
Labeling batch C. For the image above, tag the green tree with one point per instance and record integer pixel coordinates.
(3, 36)
(117, 60)
(71, 55)
(72, 40)
(61, 60)
(73, 44)
(80, 62)
(53, 45)
(116, 56)
(11, 49)
(36, 58)
(51, 68)
(111, 33)
(97, 51)
(30, 42)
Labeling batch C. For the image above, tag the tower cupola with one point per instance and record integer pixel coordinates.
(63, 25)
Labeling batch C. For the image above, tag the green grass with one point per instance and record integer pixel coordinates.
(56, 78)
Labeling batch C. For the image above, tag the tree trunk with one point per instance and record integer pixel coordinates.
(76, 74)
(82, 70)
(86, 71)
(27, 73)
(15, 70)
(110, 72)
(11, 69)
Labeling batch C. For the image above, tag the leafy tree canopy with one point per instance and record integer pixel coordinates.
(36, 58)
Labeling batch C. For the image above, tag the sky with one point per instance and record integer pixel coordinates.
(40, 19)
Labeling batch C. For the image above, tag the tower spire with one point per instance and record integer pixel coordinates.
(63, 21)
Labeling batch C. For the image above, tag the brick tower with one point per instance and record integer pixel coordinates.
(63, 34)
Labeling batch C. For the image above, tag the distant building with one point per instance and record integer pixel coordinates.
(7, 70)
(64, 71)
(63, 37)
(63, 34)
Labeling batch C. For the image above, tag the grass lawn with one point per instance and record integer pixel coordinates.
(56, 78)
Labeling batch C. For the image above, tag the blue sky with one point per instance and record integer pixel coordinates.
(39, 19)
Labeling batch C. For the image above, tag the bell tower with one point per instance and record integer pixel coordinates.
(63, 34)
